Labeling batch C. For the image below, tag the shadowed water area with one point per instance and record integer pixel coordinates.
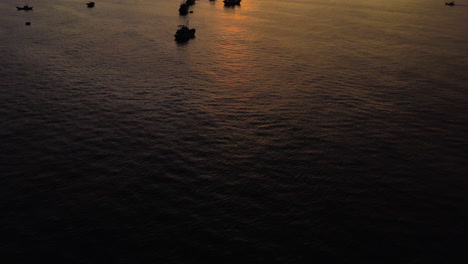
(329, 130)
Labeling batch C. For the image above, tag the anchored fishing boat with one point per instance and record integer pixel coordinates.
(183, 33)
(25, 7)
(183, 9)
(231, 2)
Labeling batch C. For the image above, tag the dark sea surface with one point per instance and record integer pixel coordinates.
(318, 131)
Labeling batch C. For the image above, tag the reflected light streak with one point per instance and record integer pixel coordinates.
(232, 55)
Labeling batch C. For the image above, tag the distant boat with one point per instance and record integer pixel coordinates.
(183, 9)
(90, 4)
(26, 7)
(450, 3)
(231, 2)
(183, 33)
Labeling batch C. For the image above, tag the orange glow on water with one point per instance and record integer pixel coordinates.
(232, 51)
(233, 33)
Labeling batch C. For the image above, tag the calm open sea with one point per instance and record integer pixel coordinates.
(335, 130)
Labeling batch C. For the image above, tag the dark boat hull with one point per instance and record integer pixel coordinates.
(26, 8)
(183, 9)
(231, 2)
(184, 34)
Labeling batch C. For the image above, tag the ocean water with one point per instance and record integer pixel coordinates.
(329, 131)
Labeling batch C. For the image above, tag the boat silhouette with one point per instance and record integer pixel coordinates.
(183, 9)
(25, 7)
(183, 33)
(231, 2)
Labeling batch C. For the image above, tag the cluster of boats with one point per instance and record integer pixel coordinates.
(184, 33)
(27, 7)
(450, 3)
(30, 8)
(185, 5)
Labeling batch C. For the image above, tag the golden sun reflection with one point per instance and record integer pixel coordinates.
(232, 51)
